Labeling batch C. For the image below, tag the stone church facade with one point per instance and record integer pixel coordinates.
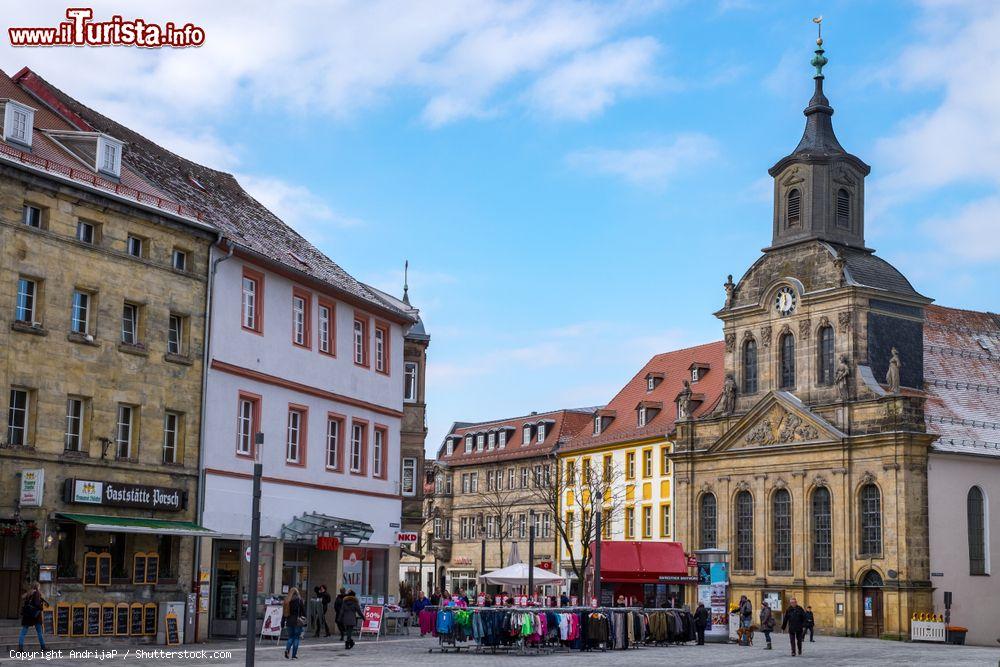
(812, 469)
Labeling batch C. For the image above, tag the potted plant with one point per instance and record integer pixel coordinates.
(955, 634)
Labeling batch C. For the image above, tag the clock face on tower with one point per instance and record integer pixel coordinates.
(785, 300)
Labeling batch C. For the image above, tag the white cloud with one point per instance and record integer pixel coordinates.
(648, 166)
(972, 232)
(590, 82)
(297, 206)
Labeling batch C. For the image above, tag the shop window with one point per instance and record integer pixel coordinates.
(165, 551)
(66, 551)
(118, 556)
(145, 567)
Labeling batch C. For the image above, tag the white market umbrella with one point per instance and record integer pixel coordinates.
(514, 557)
(517, 575)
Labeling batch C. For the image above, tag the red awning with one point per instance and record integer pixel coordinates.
(641, 562)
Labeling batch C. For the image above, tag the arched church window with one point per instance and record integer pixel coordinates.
(975, 509)
(750, 367)
(744, 531)
(793, 205)
(781, 531)
(708, 521)
(871, 520)
(787, 348)
(822, 533)
(826, 355)
(843, 208)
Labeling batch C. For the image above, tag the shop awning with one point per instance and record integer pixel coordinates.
(121, 524)
(308, 527)
(642, 562)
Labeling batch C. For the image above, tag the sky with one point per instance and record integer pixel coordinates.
(571, 182)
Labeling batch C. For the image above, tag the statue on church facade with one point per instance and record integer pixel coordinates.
(730, 287)
(892, 375)
(728, 405)
(684, 402)
(842, 379)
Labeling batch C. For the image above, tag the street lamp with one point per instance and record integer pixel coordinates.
(531, 554)
(254, 550)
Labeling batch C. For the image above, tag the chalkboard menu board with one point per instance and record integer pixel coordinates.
(49, 621)
(78, 620)
(139, 569)
(93, 620)
(90, 569)
(62, 620)
(152, 568)
(149, 619)
(104, 570)
(172, 630)
(107, 619)
(135, 620)
(121, 619)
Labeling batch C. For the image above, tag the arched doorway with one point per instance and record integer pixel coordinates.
(871, 604)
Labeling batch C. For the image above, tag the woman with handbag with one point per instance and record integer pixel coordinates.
(31, 616)
(295, 612)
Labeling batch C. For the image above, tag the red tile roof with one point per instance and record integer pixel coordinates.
(560, 426)
(676, 367)
(962, 379)
(210, 195)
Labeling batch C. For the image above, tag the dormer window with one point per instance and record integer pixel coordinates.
(503, 439)
(491, 441)
(597, 424)
(449, 447)
(480, 439)
(18, 122)
(100, 152)
(653, 380)
(650, 383)
(642, 415)
(541, 432)
(694, 375)
(468, 444)
(698, 371)
(793, 204)
(646, 411)
(526, 435)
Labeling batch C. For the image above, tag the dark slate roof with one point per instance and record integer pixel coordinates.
(962, 378)
(818, 138)
(864, 269)
(416, 330)
(217, 197)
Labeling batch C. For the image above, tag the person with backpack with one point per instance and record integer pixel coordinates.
(767, 623)
(295, 612)
(746, 619)
(31, 616)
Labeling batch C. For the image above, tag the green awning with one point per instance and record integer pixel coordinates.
(121, 524)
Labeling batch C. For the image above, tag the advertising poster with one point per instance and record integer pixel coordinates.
(705, 597)
(373, 618)
(719, 600)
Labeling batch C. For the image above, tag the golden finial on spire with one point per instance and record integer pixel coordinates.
(819, 30)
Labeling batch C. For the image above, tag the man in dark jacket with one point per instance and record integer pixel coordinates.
(337, 604)
(795, 621)
(700, 622)
(810, 622)
(324, 599)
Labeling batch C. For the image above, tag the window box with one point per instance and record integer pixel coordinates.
(138, 349)
(34, 328)
(82, 339)
(182, 359)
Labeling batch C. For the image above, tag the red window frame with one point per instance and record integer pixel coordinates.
(306, 296)
(341, 432)
(365, 342)
(384, 328)
(303, 433)
(383, 469)
(331, 331)
(255, 400)
(258, 277)
(363, 423)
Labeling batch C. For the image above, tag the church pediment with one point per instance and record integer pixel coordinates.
(778, 419)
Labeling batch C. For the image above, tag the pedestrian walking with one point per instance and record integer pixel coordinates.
(31, 616)
(324, 599)
(810, 622)
(350, 612)
(337, 602)
(795, 622)
(767, 623)
(700, 622)
(746, 620)
(295, 612)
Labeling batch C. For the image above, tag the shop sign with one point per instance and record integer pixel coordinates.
(272, 621)
(406, 538)
(462, 560)
(325, 543)
(545, 565)
(32, 488)
(679, 579)
(115, 494)
(372, 619)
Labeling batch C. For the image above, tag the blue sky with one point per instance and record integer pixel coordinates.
(571, 182)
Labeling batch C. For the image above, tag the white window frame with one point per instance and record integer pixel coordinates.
(130, 323)
(244, 427)
(19, 121)
(124, 434)
(468, 444)
(541, 432)
(522, 526)
(642, 415)
(359, 342)
(18, 417)
(597, 424)
(449, 446)
(408, 470)
(411, 371)
(378, 453)
(31, 216)
(694, 375)
(133, 246)
(526, 436)
(178, 259)
(332, 442)
(298, 319)
(323, 319)
(27, 300)
(474, 482)
(491, 440)
(293, 438)
(357, 447)
(650, 383)
(250, 289)
(75, 412)
(480, 440)
(171, 436)
(175, 334)
(109, 155)
(502, 439)
(86, 232)
(524, 477)
(511, 478)
(380, 364)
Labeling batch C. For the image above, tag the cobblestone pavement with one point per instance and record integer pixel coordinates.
(827, 651)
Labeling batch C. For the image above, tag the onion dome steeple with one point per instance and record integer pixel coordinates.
(819, 186)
